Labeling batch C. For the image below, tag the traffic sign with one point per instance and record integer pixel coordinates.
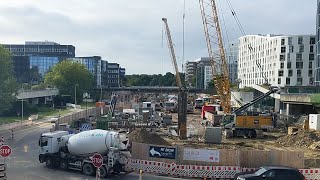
(162, 152)
(5, 151)
(97, 160)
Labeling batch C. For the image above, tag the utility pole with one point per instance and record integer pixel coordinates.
(22, 103)
(100, 93)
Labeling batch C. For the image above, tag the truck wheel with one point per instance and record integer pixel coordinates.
(88, 169)
(49, 163)
(64, 165)
(103, 172)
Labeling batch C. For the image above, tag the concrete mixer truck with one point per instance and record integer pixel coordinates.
(60, 150)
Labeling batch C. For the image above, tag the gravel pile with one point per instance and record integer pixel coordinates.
(303, 139)
(143, 136)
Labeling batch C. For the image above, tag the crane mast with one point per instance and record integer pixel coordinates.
(182, 98)
(217, 57)
(172, 53)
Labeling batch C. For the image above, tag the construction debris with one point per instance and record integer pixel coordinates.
(144, 136)
(300, 139)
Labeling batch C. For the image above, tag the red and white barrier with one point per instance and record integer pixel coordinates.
(311, 174)
(197, 171)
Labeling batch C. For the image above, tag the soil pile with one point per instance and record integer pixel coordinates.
(143, 136)
(302, 139)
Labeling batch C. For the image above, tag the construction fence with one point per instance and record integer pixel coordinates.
(218, 157)
(200, 171)
(92, 111)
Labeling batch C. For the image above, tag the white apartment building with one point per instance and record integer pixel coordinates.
(282, 60)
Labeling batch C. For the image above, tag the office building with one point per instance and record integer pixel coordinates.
(94, 65)
(113, 75)
(34, 58)
(317, 64)
(277, 60)
(191, 71)
(200, 69)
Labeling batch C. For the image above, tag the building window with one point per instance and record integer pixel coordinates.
(283, 41)
(312, 40)
(300, 40)
(279, 80)
(298, 73)
(290, 73)
(280, 73)
(299, 81)
(311, 48)
(310, 73)
(281, 65)
(282, 57)
(299, 65)
(310, 65)
(291, 49)
(298, 57)
(311, 81)
(283, 49)
(290, 40)
(288, 81)
(301, 48)
(289, 65)
(288, 57)
(311, 57)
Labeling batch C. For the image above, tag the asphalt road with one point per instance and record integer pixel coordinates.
(23, 163)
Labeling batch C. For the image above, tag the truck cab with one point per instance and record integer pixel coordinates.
(51, 142)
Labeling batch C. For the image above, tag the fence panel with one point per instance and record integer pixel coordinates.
(257, 158)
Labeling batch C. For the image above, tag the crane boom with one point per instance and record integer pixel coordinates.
(182, 99)
(172, 53)
(218, 59)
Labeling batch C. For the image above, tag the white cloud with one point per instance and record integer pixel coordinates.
(129, 32)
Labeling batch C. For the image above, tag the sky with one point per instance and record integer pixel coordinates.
(130, 32)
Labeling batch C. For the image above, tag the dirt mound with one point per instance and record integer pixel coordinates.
(143, 136)
(302, 139)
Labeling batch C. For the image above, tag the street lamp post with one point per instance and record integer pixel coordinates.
(86, 96)
(75, 96)
(22, 104)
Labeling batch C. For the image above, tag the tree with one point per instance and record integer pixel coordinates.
(212, 87)
(8, 87)
(68, 74)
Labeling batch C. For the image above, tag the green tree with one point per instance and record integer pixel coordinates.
(8, 87)
(66, 75)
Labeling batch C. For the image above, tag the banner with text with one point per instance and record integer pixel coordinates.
(201, 155)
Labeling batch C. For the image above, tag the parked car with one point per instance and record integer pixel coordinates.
(190, 108)
(54, 119)
(158, 107)
(272, 173)
(198, 103)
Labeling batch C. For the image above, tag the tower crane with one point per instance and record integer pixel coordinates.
(182, 98)
(218, 59)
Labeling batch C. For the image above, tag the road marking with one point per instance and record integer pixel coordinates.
(25, 148)
(22, 161)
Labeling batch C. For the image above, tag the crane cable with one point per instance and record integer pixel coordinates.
(263, 74)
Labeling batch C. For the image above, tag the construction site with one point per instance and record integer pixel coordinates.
(213, 121)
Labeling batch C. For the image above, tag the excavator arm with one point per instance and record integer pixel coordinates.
(246, 106)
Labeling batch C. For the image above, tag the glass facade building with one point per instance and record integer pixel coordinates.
(42, 63)
(93, 64)
(34, 58)
(317, 66)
